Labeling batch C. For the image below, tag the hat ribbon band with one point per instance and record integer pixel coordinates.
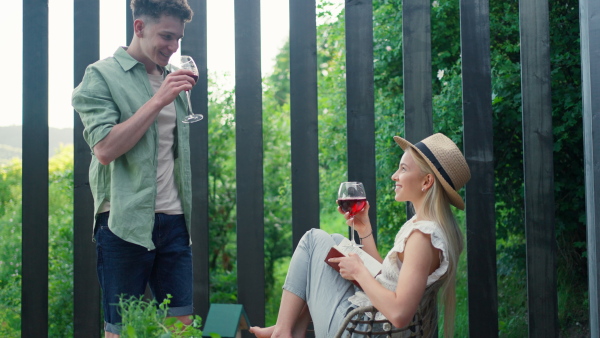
(425, 150)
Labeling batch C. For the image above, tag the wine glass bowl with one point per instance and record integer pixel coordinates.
(352, 199)
(352, 205)
(187, 62)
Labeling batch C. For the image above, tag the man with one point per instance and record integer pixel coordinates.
(131, 106)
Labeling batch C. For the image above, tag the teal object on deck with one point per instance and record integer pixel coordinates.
(226, 320)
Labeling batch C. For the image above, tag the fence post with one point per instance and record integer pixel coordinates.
(249, 161)
(590, 70)
(416, 56)
(86, 291)
(479, 151)
(360, 98)
(34, 287)
(195, 44)
(538, 168)
(304, 117)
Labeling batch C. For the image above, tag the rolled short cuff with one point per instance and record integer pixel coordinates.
(180, 311)
(112, 328)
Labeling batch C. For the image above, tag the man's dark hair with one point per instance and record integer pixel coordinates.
(156, 8)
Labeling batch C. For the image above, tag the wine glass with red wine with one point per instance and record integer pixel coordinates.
(186, 62)
(352, 199)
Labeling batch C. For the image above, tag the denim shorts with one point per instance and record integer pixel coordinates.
(126, 268)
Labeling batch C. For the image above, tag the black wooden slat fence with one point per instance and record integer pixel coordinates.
(249, 160)
(416, 71)
(478, 147)
(590, 69)
(128, 21)
(86, 293)
(538, 168)
(195, 44)
(303, 115)
(416, 55)
(34, 292)
(360, 99)
(479, 152)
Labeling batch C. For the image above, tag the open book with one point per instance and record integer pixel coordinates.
(344, 248)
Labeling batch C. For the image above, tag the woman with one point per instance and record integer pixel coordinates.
(424, 257)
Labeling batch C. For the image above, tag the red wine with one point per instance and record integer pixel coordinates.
(195, 77)
(352, 205)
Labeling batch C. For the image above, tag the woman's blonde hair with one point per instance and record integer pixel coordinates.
(436, 207)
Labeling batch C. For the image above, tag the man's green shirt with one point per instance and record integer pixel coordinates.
(111, 91)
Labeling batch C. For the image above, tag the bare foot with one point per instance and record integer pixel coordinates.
(262, 332)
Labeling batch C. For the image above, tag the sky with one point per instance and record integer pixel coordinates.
(221, 51)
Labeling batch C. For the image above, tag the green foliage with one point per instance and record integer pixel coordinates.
(277, 186)
(148, 319)
(221, 179)
(277, 166)
(508, 147)
(60, 246)
(10, 255)
(569, 183)
(331, 81)
(274, 293)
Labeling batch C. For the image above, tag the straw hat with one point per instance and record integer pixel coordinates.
(446, 161)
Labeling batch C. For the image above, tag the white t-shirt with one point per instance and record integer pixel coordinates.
(167, 197)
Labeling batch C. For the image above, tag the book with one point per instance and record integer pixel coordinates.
(344, 248)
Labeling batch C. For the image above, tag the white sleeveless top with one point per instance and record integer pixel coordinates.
(390, 270)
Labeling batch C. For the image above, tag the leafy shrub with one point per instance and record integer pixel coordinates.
(148, 319)
(10, 249)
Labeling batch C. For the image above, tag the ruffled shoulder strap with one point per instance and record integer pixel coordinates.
(438, 240)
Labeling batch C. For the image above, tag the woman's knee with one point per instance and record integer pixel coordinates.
(337, 238)
(314, 235)
(315, 238)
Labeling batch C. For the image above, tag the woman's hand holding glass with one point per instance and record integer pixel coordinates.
(352, 199)
(362, 224)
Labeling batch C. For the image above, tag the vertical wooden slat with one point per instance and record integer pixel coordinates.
(34, 291)
(249, 160)
(360, 99)
(304, 122)
(479, 152)
(538, 168)
(128, 22)
(416, 53)
(195, 44)
(86, 306)
(590, 70)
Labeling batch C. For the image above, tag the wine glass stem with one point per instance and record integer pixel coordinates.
(189, 103)
(352, 231)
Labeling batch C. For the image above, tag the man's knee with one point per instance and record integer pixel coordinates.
(187, 320)
(110, 335)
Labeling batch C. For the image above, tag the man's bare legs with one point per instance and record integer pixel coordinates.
(187, 320)
(292, 320)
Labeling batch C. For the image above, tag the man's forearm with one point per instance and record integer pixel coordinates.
(127, 134)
